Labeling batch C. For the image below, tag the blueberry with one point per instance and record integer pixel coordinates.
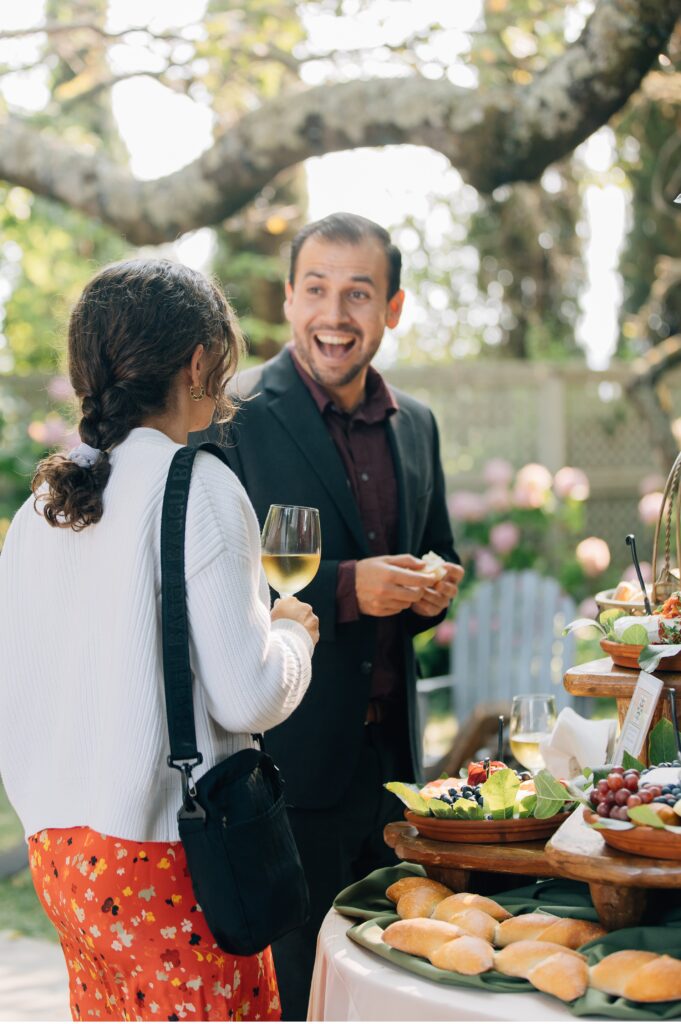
(488, 817)
(453, 792)
(666, 790)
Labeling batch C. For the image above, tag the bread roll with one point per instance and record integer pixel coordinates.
(656, 982)
(469, 901)
(518, 958)
(467, 955)
(614, 972)
(525, 926)
(471, 921)
(421, 936)
(418, 903)
(571, 932)
(395, 891)
(561, 975)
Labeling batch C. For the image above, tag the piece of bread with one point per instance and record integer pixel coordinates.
(561, 975)
(434, 567)
(655, 982)
(614, 972)
(518, 958)
(470, 920)
(418, 903)
(469, 901)
(571, 932)
(467, 955)
(524, 926)
(403, 885)
(420, 936)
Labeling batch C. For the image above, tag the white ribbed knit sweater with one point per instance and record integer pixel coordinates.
(83, 735)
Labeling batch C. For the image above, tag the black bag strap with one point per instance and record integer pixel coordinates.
(177, 672)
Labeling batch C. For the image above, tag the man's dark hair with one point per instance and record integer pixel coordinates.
(351, 229)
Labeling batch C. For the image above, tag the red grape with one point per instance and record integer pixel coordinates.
(634, 800)
(621, 814)
(595, 797)
(603, 787)
(615, 781)
(618, 769)
(621, 796)
(603, 810)
(645, 795)
(654, 791)
(631, 782)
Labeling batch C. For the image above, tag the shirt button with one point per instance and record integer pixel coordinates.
(364, 477)
(371, 535)
(365, 668)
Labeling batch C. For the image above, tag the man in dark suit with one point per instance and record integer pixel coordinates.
(324, 430)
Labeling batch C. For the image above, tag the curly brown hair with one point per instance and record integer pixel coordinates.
(135, 326)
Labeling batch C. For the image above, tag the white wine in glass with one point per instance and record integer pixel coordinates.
(291, 547)
(532, 719)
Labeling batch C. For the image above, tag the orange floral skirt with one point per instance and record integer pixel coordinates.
(136, 944)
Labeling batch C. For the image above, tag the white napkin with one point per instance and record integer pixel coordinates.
(577, 743)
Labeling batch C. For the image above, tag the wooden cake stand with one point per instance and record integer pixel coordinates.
(620, 883)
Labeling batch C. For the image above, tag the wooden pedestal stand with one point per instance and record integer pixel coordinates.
(601, 678)
(620, 883)
(452, 863)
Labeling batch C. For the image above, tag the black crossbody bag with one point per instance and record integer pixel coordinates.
(243, 862)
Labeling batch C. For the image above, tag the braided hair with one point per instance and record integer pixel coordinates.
(135, 326)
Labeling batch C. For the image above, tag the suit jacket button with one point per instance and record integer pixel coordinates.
(366, 667)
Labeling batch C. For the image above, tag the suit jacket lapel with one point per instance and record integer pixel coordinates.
(293, 406)
(400, 430)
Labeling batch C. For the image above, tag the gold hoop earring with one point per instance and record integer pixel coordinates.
(201, 394)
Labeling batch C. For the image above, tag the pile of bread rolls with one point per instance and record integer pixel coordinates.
(472, 934)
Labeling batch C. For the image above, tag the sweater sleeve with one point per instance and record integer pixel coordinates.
(254, 672)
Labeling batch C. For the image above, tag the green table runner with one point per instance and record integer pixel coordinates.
(366, 902)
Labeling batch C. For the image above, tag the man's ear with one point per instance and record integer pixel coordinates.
(395, 309)
(288, 289)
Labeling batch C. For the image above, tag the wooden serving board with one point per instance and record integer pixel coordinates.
(511, 830)
(627, 655)
(642, 840)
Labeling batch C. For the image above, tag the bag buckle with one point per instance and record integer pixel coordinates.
(190, 808)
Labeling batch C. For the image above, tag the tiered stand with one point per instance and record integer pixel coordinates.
(623, 887)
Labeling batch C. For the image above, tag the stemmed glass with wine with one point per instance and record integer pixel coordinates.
(291, 547)
(532, 719)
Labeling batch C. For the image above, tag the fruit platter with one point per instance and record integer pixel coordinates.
(638, 809)
(650, 642)
(490, 803)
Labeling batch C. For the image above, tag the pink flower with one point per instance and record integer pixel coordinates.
(498, 499)
(445, 632)
(497, 472)
(646, 571)
(532, 486)
(60, 390)
(571, 483)
(504, 537)
(487, 565)
(588, 609)
(593, 554)
(652, 482)
(649, 507)
(467, 507)
(49, 432)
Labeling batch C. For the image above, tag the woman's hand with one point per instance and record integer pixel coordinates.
(292, 608)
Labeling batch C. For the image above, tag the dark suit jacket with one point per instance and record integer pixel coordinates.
(280, 449)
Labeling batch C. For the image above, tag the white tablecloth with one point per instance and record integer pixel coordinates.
(350, 983)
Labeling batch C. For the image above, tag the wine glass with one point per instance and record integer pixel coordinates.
(532, 719)
(291, 547)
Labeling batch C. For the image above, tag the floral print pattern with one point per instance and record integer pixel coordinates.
(136, 943)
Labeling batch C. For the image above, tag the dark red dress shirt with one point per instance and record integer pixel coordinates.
(362, 444)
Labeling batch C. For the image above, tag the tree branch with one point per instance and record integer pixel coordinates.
(492, 137)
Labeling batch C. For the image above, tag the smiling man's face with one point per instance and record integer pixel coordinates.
(338, 309)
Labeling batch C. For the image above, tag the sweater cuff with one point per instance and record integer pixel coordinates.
(290, 626)
(347, 609)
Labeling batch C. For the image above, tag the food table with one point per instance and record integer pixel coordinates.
(350, 983)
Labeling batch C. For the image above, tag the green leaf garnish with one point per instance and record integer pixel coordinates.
(467, 809)
(662, 744)
(551, 795)
(581, 624)
(613, 823)
(527, 805)
(409, 796)
(629, 761)
(636, 635)
(498, 793)
(607, 617)
(441, 809)
(651, 656)
(645, 815)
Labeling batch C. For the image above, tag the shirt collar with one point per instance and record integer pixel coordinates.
(379, 402)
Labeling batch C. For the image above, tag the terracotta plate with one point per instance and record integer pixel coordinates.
(626, 656)
(510, 830)
(642, 840)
